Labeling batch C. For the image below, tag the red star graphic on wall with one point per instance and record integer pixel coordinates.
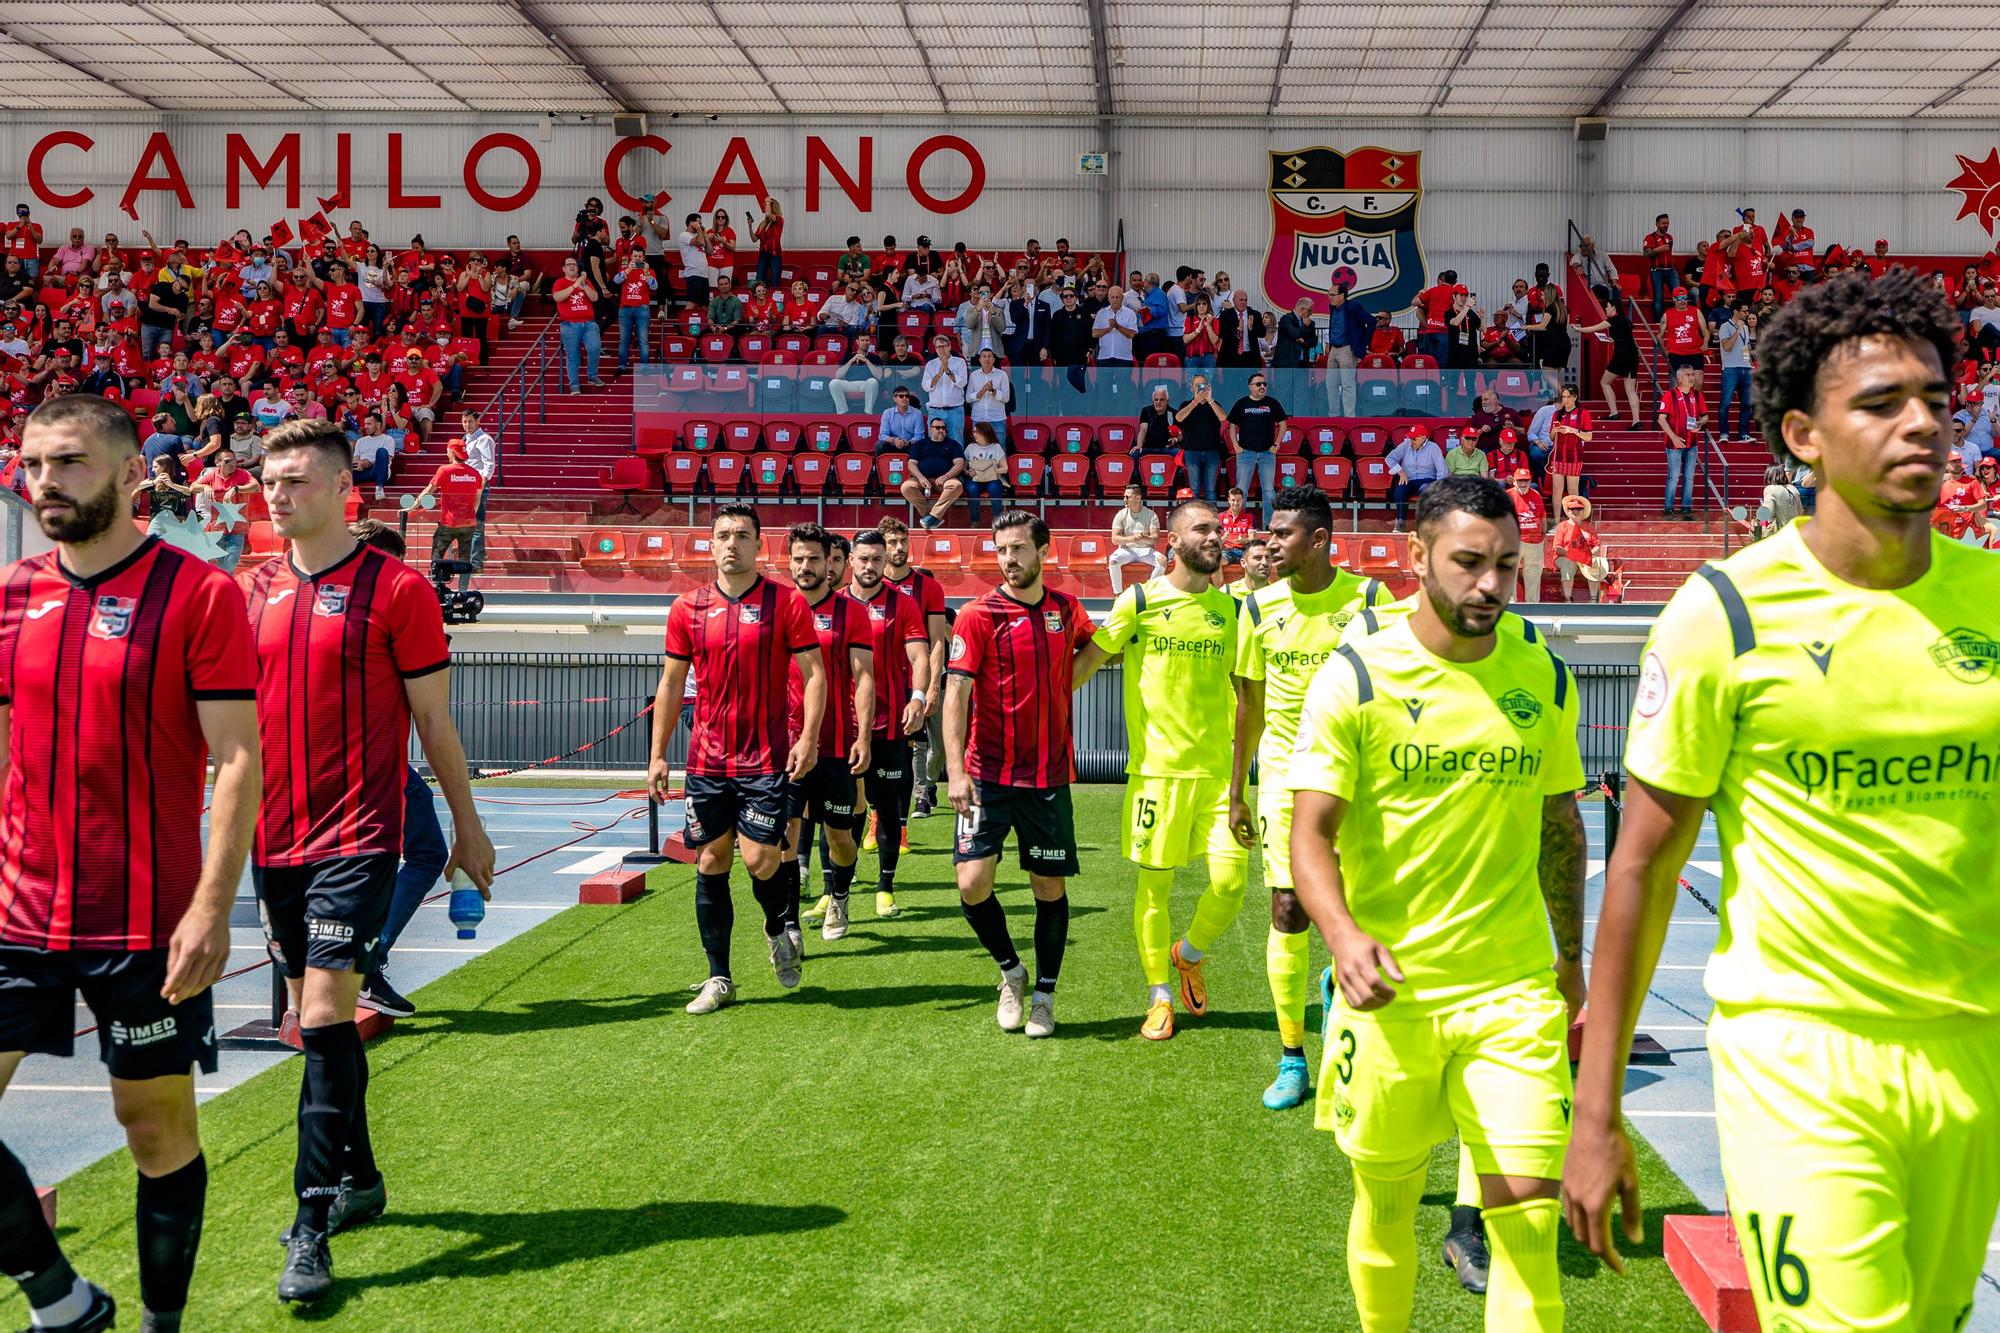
(1979, 182)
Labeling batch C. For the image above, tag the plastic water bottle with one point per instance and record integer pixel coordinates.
(468, 908)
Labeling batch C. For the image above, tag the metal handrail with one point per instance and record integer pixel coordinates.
(532, 374)
(1708, 441)
(1595, 267)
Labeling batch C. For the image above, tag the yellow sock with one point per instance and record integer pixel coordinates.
(1228, 876)
(1289, 964)
(1152, 923)
(1524, 1289)
(1468, 1180)
(1382, 1247)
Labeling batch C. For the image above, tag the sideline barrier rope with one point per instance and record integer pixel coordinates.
(568, 754)
(1612, 798)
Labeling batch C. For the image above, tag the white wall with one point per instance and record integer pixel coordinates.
(1497, 197)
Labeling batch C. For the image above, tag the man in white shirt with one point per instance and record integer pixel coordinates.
(945, 380)
(374, 451)
(1114, 328)
(846, 311)
(482, 455)
(1134, 530)
(693, 244)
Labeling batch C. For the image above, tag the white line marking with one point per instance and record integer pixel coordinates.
(1680, 967)
(598, 861)
(1669, 1027)
(1592, 869)
(401, 948)
(1709, 867)
(88, 1087)
(1671, 1115)
(1673, 921)
(529, 907)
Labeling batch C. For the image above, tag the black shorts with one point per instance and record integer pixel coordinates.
(1044, 827)
(139, 1035)
(328, 914)
(750, 807)
(826, 796)
(1692, 361)
(889, 778)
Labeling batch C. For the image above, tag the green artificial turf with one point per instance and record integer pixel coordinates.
(566, 1149)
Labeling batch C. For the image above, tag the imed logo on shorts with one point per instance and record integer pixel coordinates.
(111, 618)
(320, 928)
(146, 1034)
(1967, 655)
(1521, 708)
(758, 818)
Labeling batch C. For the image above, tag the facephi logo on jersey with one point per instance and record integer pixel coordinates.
(1951, 770)
(1968, 655)
(111, 618)
(1433, 760)
(146, 1034)
(1521, 708)
(330, 599)
(1346, 217)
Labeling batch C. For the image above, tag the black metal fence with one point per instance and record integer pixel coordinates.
(515, 709)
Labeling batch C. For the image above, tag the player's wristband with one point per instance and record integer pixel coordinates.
(920, 696)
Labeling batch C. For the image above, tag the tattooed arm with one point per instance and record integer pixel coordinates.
(1562, 873)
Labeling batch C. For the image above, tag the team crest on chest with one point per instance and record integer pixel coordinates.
(1967, 655)
(1521, 708)
(823, 620)
(111, 617)
(1053, 621)
(330, 599)
(750, 615)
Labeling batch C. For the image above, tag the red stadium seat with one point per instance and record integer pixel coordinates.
(263, 539)
(890, 469)
(1379, 386)
(1070, 473)
(862, 431)
(810, 472)
(1380, 551)
(1087, 549)
(676, 348)
(940, 552)
(793, 344)
(768, 471)
(781, 436)
(693, 553)
(824, 435)
(686, 380)
(753, 347)
(1116, 437)
(1514, 386)
(1369, 441)
(701, 434)
(605, 550)
(1332, 475)
(626, 475)
(1293, 472)
(725, 472)
(717, 346)
(741, 434)
(1029, 437)
(1161, 361)
(650, 550)
(1114, 473)
(1323, 440)
(911, 324)
(653, 436)
(1024, 473)
(832, 343)
(1374, 477)
(1423, 388)
(985, 554)
(1074, 437)
(683, 471)
(732, 380)
(853, 472)
(1157, 472)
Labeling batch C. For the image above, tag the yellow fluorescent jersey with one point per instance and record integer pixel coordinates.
(1444, 767)
(1180, 709)
(1241, 589)
(1373, 619)
(1285, 636)
(1848, 740)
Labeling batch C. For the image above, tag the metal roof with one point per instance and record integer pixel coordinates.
(1703, 59)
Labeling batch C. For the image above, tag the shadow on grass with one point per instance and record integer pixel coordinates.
(1577, 1262)
(522, 1242)
(544, 1015)
(1127, 1027)
(876, 997)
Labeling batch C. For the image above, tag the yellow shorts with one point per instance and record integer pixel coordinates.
(1863, 1170)
(1274, 836)
(1496, 1071)
(1170, 821)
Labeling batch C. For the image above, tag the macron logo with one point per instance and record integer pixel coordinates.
(36, 613)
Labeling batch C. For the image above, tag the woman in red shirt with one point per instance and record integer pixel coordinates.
(951, 287)
(721, 246)
(760, 312)
(305, 308)
(266, 313)
(770, 233)
(801, 311)
(576, 306)
(1569, 432)
(343, 302)
(1201, 335)
(475, 289)
(1577, 548)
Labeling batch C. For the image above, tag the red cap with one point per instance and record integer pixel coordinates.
(1460, 289)
(1508, 435)
(1882, 243)
(455, 448)
(1523, 474)
(1418, 433)
(1680, 292)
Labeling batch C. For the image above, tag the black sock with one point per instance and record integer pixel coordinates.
(1464, 1217)
(773, 898)
(1051, 938)
(888, 845)
(359, 1164)
(326, 1107)
(170, 1209)
(1292, 1052)
(808, 832)
(839, 879)
(790, 874)
(989, 923)
(715, 918)
(28, 1250)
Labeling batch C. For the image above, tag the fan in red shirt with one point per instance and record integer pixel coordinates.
(123, 663)
(1237, 525)
(904, 685)
(1534, 519)
(1507, 457)
(1961, 503)
(1684, 333)
(351, 652)
(1659, 251)
(457, 486)
(1569, 432)
(928, 594)
(1011, 760)
(1749, 250)
(741, 635)
(826, 793)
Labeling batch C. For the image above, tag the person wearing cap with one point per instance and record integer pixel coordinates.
(1578, 549)
(1988, 477)
(1463, 457)
(1878, 262)
(1508, 456)
(1415, 463)
(1533, 519)
(1684, 333)
(920, 289)
(1962, 502)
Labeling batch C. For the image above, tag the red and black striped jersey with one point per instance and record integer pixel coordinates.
(840, 624)
(741, 648)
(895, 622)
(100, 838)
(920, 587)
(1018, 656)
(333, 651)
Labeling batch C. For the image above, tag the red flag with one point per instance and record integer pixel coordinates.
(315, 229)
(224, 253)
(331, 203)
(1782, 230)
(281, 233)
